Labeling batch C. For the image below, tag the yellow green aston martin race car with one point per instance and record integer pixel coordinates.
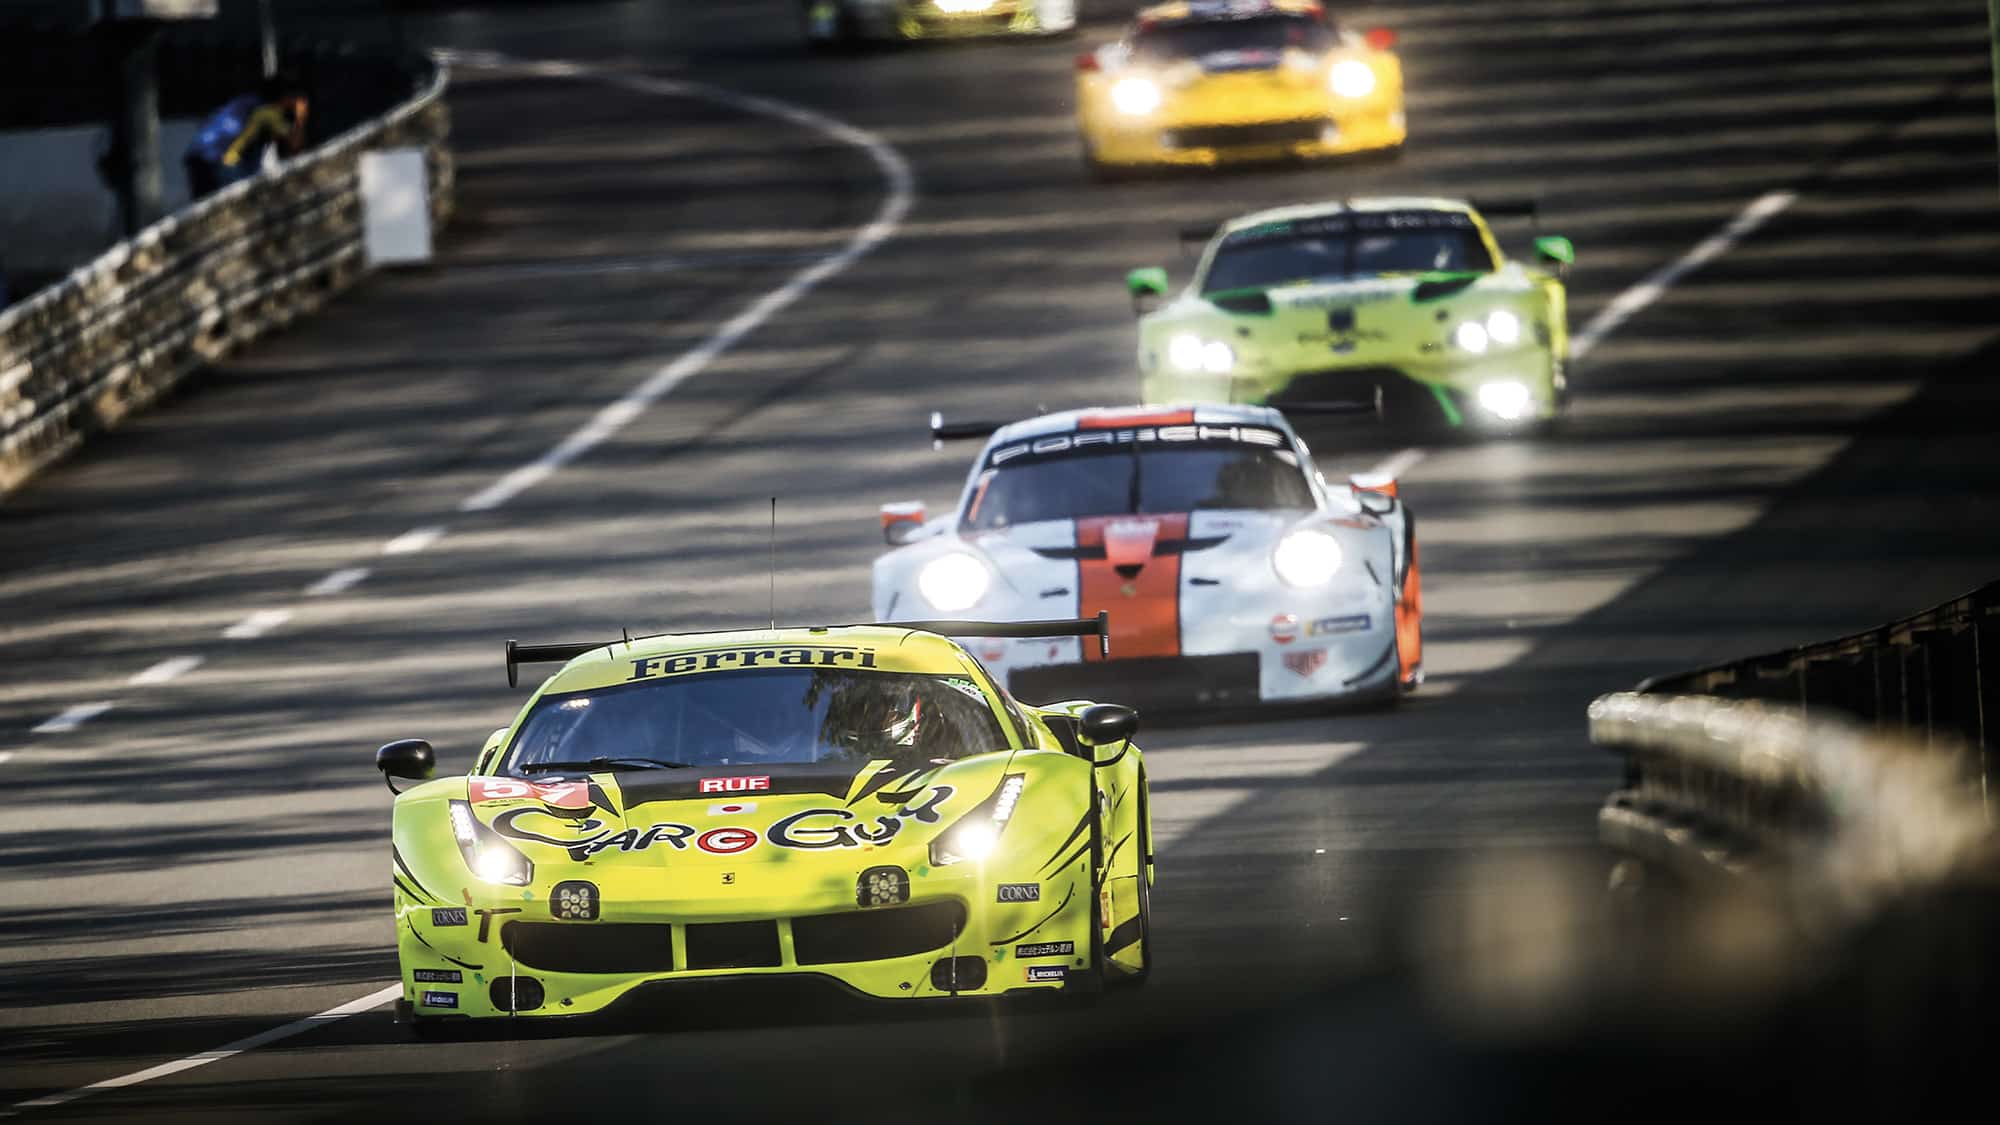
(857, 804)
(1410, 299)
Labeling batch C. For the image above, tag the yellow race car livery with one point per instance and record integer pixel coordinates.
(856, 804)
(1204, 83)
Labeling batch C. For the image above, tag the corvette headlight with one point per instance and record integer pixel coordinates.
(1306, 558)
(1509, 401)
(977, 833)
(954, 582)
(1351, 79)
(1503, 327)
(1135, 97)
(491, 858)
(1471, 336)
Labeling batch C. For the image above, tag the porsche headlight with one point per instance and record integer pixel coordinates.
(1307, 558)
(1351, 79)
(1135, 97)
(976, 835)
(954, 582)
(1503, 328)
(1471, 336)
(491, 858)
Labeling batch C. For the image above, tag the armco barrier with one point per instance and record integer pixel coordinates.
(85, 353)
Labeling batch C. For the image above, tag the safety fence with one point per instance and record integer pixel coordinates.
(82, 355)
(1844, 771)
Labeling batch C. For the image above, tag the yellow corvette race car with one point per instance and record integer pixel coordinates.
(861, 805)
(1211, 81)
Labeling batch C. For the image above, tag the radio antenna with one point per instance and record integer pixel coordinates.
(774, 564)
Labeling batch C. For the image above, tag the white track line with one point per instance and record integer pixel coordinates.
(1398, 463)
(166, 671)
(617, 415)
(257, 624)
(1627, 304)
(902, 192)
(74, 717)
(340, 581)
(297, 1027)
(412, 541)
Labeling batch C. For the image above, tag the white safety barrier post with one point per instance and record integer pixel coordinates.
(395, 207)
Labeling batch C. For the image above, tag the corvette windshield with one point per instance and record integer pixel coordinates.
(767, 716)
(1114, 481)
(1194, 39)
(1337, 249)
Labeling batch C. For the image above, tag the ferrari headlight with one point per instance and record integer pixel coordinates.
(1135, 97)
(1508, 401)
(491, 858)
(976, 835)
(1307, 558)
(1351, 79)
(954, 582)
(1504, 328)
(1471, 336)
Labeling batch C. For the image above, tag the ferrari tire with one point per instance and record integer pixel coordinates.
(1145, 970)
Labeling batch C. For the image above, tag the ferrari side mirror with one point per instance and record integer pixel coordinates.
(1147, 287)
(410, 758)
(1106, 729)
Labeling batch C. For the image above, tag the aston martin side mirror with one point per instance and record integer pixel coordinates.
(1147, 287)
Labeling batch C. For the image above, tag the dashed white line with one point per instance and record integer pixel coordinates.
(296, 1027)
(74, 717)
(1627, 304)
(619, 414)
(257, 624)
(1398, 463)
(414, 540)
(6, 756)
(166, 671)
(338, 582)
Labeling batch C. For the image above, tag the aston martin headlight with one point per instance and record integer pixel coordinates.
(1184, 352)
(1503, 327)
(976, 835)
(963, 7)
(1351, 79)
(1508, 401)
(1135, 97)
(954, 582)
(1471, 336)
(1192, 353)
(490, 857)
(1217, 358)
(1307, 558)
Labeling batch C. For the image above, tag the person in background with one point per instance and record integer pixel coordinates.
(230, 145)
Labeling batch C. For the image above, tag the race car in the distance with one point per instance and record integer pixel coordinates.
(857, 804)
(1213, 81)
(1233, 573)
(846, 23)
(1408, 297)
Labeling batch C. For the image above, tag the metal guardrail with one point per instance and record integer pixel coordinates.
(85, 353)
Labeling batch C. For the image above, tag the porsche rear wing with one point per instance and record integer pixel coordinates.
(943, 431)
(1099, 627)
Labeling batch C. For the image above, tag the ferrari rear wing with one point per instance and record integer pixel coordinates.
(519, 654)
(1099, 627)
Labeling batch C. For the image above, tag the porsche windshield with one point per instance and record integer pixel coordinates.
(768, 716)
(1154, 479)
(1196, 39)
(1339, 247)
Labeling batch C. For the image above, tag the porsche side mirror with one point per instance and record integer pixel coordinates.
(411, 759)
(1106, 729)
(1556, 251)
(1375, 503)
(1147, 287)
(902, 521)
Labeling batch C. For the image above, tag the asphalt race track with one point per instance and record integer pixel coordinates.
(1793, 439)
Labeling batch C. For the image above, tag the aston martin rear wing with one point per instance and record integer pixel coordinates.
(1099, 627)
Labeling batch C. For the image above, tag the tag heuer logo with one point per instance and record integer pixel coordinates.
(1306, 662)
(1020, 892)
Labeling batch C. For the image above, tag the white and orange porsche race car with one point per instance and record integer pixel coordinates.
(1232, 571)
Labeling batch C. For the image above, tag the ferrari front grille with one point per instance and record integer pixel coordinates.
(732, 945)
(568, 947)
(876, 935)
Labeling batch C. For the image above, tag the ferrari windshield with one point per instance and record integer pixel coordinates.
(1156, 479)
(768, 716)
(1195, 39)
(1347, 245)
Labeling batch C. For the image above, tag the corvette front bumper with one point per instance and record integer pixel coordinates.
(1208, 146)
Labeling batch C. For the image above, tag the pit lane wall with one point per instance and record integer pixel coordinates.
(1839, 775)
(83, 355)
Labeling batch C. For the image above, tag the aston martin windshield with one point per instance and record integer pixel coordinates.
(1109, 481)
(770, 716)
(1339, 247)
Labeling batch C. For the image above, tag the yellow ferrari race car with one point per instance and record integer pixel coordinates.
(1203, 83)
(861, 805)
